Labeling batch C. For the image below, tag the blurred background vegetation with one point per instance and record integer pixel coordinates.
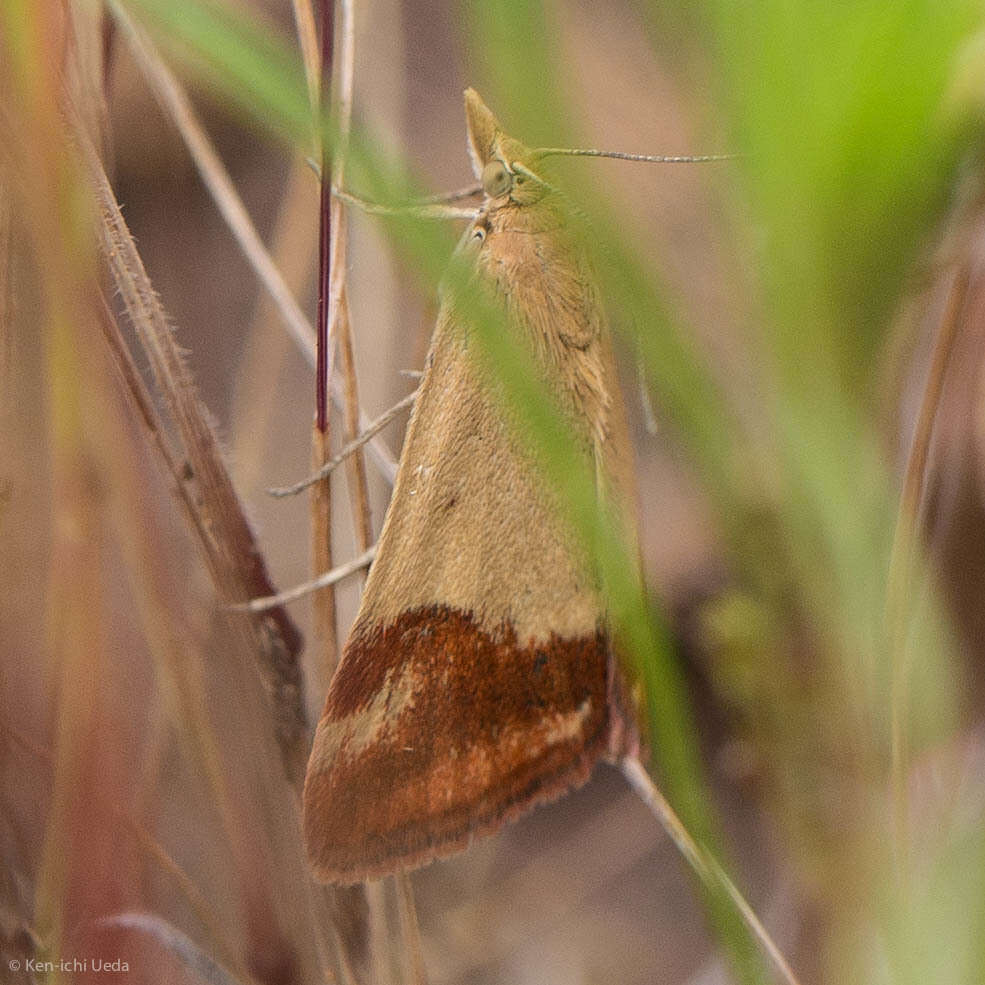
(809, 320)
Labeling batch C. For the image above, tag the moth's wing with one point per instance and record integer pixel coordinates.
(475, 680)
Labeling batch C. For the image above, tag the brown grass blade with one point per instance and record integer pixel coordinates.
(137, 390)
(230, 547)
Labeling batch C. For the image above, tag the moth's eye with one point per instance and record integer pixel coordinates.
(478, 234)
(496, 180)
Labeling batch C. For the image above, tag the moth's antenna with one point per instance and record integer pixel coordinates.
(622, 156)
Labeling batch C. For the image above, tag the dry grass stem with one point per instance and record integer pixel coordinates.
(258, 408)
(178, 943)
(192, 895)
(172, 97)
(339, 332)
(330, 72)
(176, 104)
(903, 558)
(706, 867)
(324, 633)
(410, 931)
(912, 500)
(340, 329)
(6, 288)
(307, 32)
(336, 68)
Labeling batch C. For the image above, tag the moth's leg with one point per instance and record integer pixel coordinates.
(348, 449)
(469, 191)
(422, 208)
(442, 198)
(326, 578)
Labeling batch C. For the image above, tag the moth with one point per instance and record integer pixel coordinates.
(480, 676)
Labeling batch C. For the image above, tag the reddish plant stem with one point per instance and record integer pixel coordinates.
(325, 238)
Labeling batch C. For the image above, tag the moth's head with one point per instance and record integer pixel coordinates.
(506, 168)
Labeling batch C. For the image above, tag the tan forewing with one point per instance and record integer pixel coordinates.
(477, 678)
